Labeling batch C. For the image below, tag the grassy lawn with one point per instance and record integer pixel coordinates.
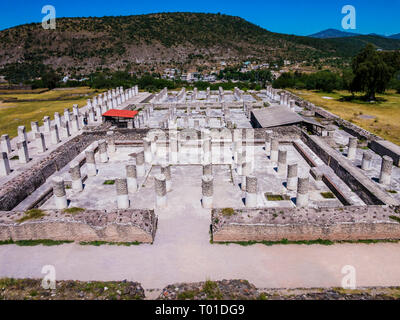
(381, 117)
(17, 113)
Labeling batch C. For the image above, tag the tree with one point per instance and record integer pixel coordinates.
(371, 73)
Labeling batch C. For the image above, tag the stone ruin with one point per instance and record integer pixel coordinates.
(98, 182)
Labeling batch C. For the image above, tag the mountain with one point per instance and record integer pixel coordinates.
(395, 36)
(154, 42)
(332, 33)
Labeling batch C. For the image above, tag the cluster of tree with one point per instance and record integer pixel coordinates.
(372, 72)
(326, 81)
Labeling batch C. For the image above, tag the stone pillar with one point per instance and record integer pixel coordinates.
(386, 170)
(161, 190)
(352, 151)
(65, 129)
(92, 118)
(148, 157)
(111, 141)
(46, 124)
(166, 171)
(122, 193)
(22, 134)
(282, 158)
(131, 177)
(6, 144)
(207, 186)
(23, 153)
(274, 150)
(4, 165)
(35, 127)
(268, 138)
(207, 155)
(141, 170)
(292, 176)
(366, 161)
(67, 115)
(40, 142)
(207, 169)
(75, 124)
(103, 151)
(251, 191)
(302, 192)
(55, 137)
(60, 195)
(90, 163)
(246, 170)
(76, 177)
(57, 119)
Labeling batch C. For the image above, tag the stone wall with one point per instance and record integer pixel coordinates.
(386, 148)
(362, 185)
(115, 226)
(297, 224)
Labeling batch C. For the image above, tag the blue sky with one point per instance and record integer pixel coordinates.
(301, 17)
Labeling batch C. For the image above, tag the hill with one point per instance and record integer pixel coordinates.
(154, 42)
(332, 33)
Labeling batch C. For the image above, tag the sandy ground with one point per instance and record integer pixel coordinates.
(182, 253)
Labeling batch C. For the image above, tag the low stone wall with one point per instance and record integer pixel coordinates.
(20, 187)
(386, 148)
(116, 226)
(302, 224)
(362, 185)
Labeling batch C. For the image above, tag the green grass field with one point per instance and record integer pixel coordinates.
(381, 117)
(18, 113)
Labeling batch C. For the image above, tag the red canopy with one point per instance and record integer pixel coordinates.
(120, 113)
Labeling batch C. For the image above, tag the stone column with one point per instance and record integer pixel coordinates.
(55, 137)
(302, 192)
(282, 158)
(57, 119)
(4, 165)
(6, 144)
(103, 151)
(23, 153)
(65, 129)
(352, 151)
(268, 138)
(160, 183)
(148, 157)
(22, 134)
(386, 170)
(40, 142)
(90, 163)
(76, 177)
(246, 170)
(207, 155)
(292, 176)
(207, 186)
(131, 177)
(46, 124)
(75, 124)
(166, 171)
(35, 127)
(122, 193)
(251, 191)
(207, 169)
(60, 195)
(111, 141)
(274, 150)
(366, 161)
(141, 170)
(67, 115)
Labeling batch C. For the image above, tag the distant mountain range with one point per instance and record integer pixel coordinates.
(335, 33)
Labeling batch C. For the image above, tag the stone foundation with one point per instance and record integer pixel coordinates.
(116, 226)
(296, 224)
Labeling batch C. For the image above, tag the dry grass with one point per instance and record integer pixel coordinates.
(14, 114)
(386, 111)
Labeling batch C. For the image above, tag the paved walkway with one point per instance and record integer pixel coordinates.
(182, 253)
